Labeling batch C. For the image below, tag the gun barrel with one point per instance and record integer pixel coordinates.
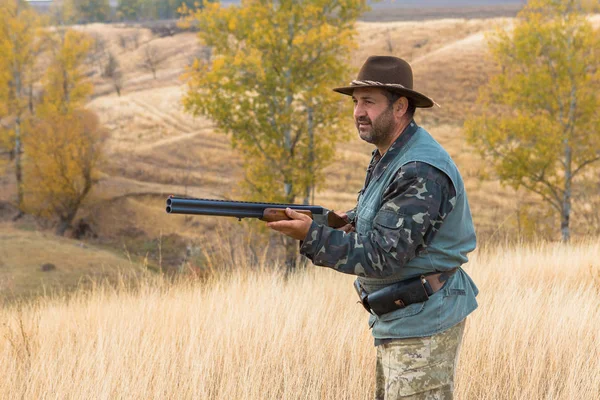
(226, 208)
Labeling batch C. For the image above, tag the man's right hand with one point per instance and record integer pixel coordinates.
(348, 227)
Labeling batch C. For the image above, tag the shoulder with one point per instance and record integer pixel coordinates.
(420, 169)
(421, 172)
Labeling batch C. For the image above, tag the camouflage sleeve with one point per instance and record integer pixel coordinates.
(414, 207)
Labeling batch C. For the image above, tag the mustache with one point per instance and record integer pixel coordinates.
(363, 121)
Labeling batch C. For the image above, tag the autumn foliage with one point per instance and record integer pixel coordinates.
(269, 85)
(64, 151)
(65, 86)
(20, 44)
(55, 143)
(539, 128)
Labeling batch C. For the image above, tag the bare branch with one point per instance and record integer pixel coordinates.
(556, 206)
(152, 59)
(585, 164)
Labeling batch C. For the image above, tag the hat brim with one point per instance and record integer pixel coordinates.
(419, 99)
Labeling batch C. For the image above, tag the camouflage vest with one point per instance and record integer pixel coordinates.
(448, 249)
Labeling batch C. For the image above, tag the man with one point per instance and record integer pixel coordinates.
(406, 239)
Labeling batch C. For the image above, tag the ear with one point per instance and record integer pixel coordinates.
(400, 107)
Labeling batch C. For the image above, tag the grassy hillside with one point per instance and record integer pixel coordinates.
(257, 336)
(157, 148)
(74, 264)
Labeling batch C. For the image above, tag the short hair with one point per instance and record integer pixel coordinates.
(393, 96)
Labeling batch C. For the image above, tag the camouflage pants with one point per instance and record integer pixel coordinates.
(419, 368)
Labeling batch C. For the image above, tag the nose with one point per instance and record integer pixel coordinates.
(359, 111)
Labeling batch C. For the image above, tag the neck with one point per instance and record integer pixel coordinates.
(383, 147)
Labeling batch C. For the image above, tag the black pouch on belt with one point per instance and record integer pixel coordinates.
(398, 295)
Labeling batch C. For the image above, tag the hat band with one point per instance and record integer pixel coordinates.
(375, 83)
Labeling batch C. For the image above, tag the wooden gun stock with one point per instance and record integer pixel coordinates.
(335, 221)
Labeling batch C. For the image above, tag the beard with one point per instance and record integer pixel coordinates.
(378, 130)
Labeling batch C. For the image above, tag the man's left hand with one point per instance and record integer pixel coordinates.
(296, 227)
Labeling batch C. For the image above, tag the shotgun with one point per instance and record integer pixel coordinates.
(242, 209)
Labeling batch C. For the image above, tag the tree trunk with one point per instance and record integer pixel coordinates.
(30, 99)
(564, 223)
(18, 166)
(291, 249)
(65, 221)
(566, 203)
(291, 254)
(310, 188)
(66, 91)
(287, 142)
(63, 225)
(569, 130)
(17, 79)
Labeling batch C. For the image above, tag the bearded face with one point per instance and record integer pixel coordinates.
(377, 130)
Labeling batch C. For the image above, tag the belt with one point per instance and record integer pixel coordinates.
(403, 293)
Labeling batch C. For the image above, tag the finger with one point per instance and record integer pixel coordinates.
(279, 225)
(342, 215)
(296, 215)
(347, 228)
(284, 225)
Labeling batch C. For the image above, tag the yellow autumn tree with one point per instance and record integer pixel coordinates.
(20, 41)
(66, 87)
(540, 124)
(64, 146)
(5, 139)
(63, 159)
(269, 83)
(269, 86)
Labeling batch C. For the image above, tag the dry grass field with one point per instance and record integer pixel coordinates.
(247, 333)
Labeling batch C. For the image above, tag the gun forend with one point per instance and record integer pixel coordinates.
(278, 214)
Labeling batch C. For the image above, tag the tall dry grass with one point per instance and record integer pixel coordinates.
(250, 334)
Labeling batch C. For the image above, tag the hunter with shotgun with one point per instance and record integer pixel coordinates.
(405, 240)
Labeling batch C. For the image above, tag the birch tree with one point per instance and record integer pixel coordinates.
(20, 33)
(540, 128)
(268, 84)
(269, 81)
(64, 154)
(66, 87)
(64, 148)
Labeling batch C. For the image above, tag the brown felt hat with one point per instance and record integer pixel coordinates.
(390, 73)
